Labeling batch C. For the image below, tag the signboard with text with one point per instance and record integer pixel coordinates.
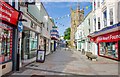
(114, 36)
(40, 56)
(8, 13)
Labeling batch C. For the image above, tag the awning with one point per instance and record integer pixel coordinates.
(106, 30)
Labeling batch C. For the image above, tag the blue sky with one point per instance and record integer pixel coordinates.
(60, 9)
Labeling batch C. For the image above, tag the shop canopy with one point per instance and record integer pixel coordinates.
(106, 30)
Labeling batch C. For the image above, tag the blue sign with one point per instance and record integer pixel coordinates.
(20, 27)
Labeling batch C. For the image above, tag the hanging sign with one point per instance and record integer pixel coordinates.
(20, 26)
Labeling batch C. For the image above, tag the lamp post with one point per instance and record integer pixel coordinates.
(20, 29)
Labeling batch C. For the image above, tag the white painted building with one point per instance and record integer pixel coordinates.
(104, 14)
(36, 30)
(105, 23)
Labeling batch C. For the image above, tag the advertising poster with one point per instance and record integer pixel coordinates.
(40, 56)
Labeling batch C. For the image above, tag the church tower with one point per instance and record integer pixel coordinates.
(77, 17)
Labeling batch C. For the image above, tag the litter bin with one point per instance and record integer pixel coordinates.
(40, 56)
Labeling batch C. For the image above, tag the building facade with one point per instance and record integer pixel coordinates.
(106, 28)
(9, 17)
(36, 31)
(100, 29)
(24, 29)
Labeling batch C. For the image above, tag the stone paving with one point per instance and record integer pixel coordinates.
(69, 62)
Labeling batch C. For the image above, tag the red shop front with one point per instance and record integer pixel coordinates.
(108, 45)
(8, 21)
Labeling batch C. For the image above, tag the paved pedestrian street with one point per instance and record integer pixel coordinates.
(66, 62)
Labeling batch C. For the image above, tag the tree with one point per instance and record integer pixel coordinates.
(67, 34)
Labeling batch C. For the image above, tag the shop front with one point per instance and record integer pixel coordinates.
(29, 44)
(8, 23)
(29, 40)
(108, 45)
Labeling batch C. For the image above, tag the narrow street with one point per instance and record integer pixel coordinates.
(66, 62)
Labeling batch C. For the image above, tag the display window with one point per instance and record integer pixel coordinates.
(109, 49)
(5, 43)
(33, 40)
(29, 44)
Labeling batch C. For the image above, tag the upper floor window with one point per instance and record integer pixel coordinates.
(95, 23)
(89, 31)
(47, 26)
(98, 3)
(94, 5)
(98, 22)
(89, 21)
(102, 1)
(111, 16)
(105, 17)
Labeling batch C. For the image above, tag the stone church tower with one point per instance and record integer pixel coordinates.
(77, 17)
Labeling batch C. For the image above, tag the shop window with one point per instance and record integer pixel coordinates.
(109, 49)
(111, 16)
(33, 41)
(105, 18)
(5, 43)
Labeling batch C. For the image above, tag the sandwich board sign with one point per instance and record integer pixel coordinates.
(40, 56)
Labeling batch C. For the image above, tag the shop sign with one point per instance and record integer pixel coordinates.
(40, 56)
(20, 27)
(108, 37)
(8, 13)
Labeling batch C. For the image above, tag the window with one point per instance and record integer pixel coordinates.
(89, 31)
(102, 1)
(13, 4)
(94, 5)
(5, 43)
(109, 49)
(47, 26)
(42, 24)
(95, 23)
(105, 18)
(98, 3)
(7, 1)
(89, 21)
(98, 22)
(111, 16)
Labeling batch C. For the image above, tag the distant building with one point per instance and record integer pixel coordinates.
(77, 17)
